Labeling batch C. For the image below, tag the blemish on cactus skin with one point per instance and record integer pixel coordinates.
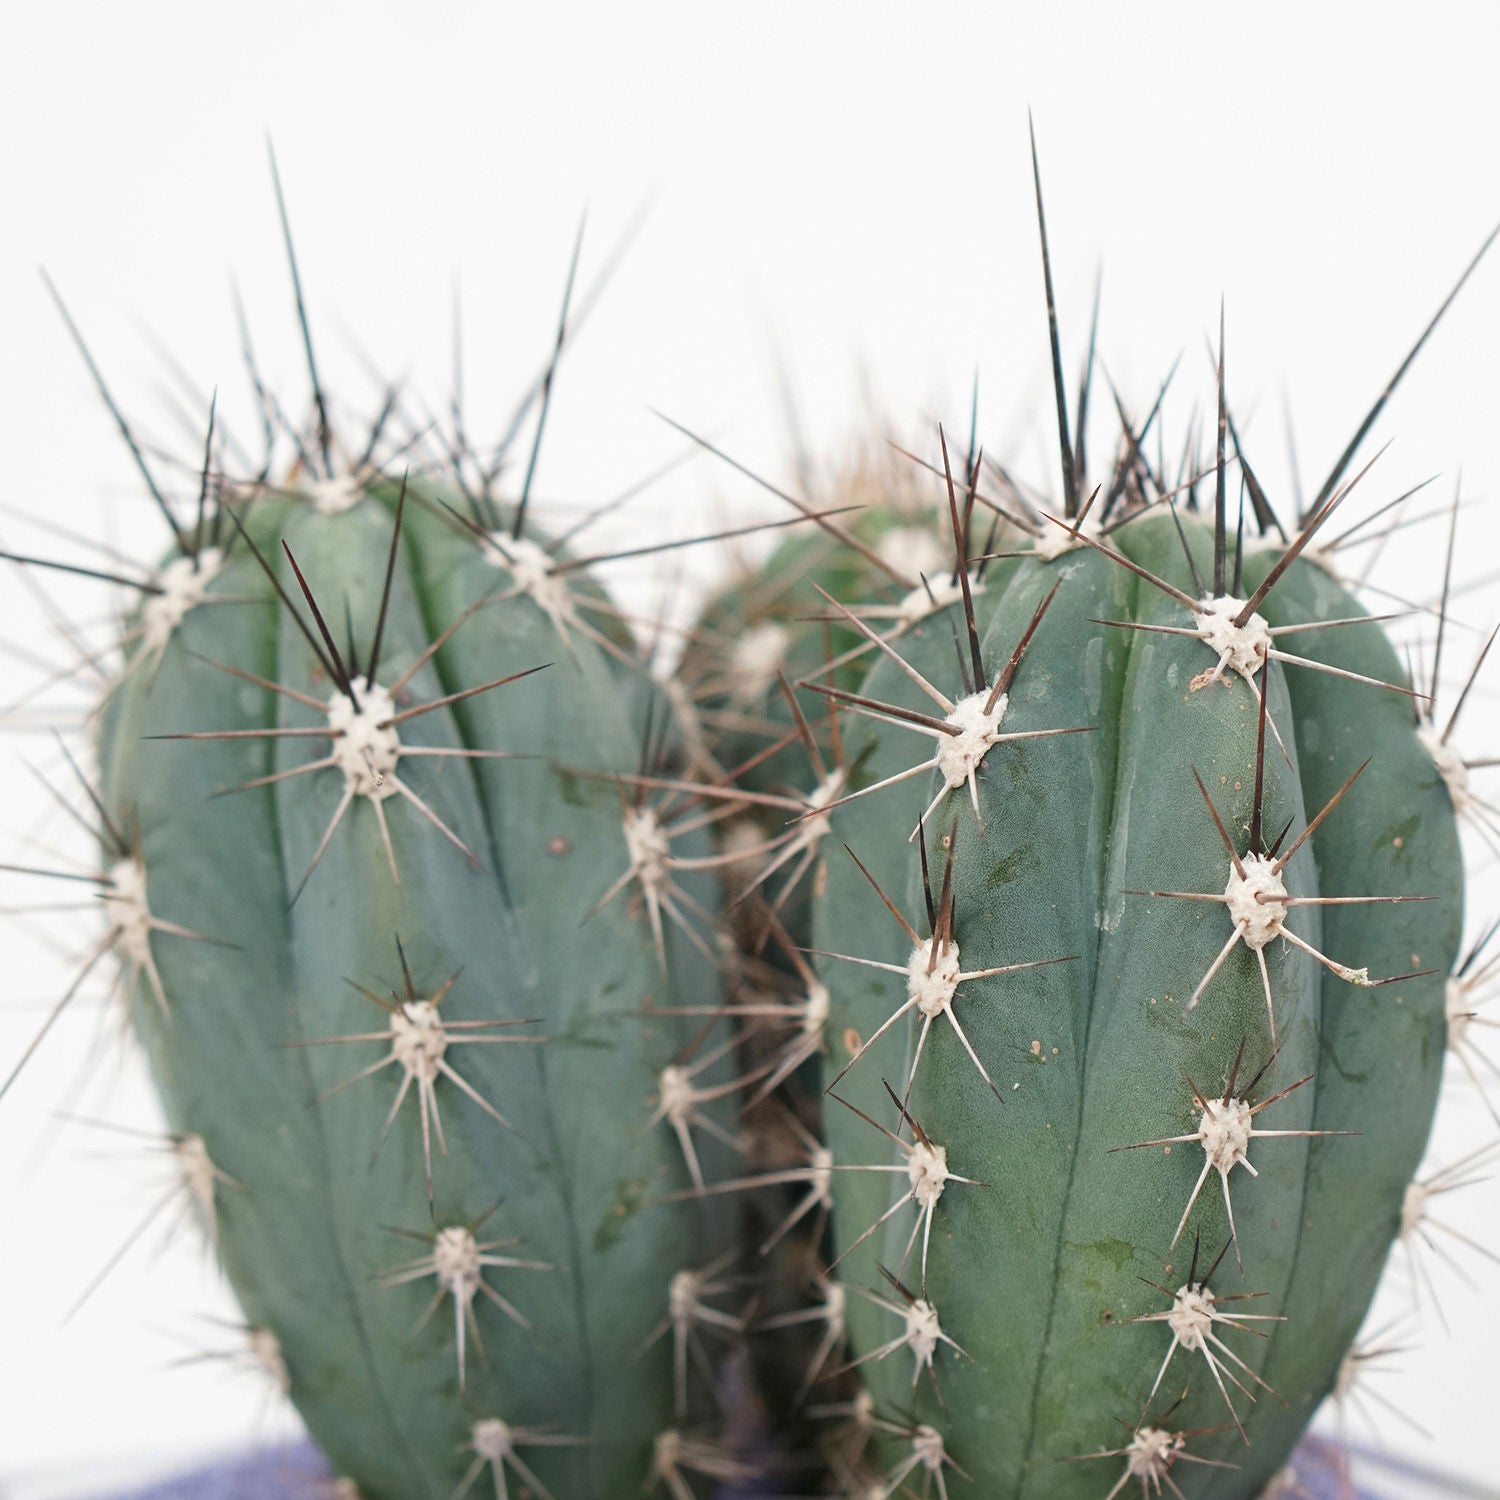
(569, 787)
(1093, 676)
(1116, 1252)
(1328, 1052)
(1007, 868)
(1400, 835)
(630, 1195)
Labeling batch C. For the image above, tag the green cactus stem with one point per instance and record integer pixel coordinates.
(387, 1005)
(1221, 964)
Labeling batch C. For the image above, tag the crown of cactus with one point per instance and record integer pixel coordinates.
(1048, 1142)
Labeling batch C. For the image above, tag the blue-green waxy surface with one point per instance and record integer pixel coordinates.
(322, 1203)
(1037, 1269)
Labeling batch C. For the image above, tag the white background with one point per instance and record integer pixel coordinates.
(840, 189)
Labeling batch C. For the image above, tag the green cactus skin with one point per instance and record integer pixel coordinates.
(1037, 1273)
(319, 1209)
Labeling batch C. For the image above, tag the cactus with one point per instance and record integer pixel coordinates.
(1077, 1100)
(450, 1064)
(1120, 851)
(401, 933)
(1137, 992)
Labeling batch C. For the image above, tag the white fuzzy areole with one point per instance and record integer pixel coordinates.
(1241, 648)
(418, 1039)
(959, 755)
(184, 584)
(455, 1262)
(816, 827)
(1056, 540)
(1225, 1130)
(336, 494)
(1256, 900)
(1450, 766)
(682, 1296)
(1151, 1453)
(862, 1411)
(927, 1444)
(815, 1008)
(835, 1305)
(915, 550)
(666, 1451)
(649, 847)
(198, 1171)
(493, 1439)
(820, 1178)
(940, 590)
(1192, 1317)
(1459, 1012)
(934, 991)
(265, 1352)
(1284, 1484)
(923, 1331)
(366, 746)
(679, 1099)
(532, 567)
(1413, 1207)
(741, 844)
(755, 659)
(927, 1172)
(125, 910)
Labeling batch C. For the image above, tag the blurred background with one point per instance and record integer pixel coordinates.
(821, 224)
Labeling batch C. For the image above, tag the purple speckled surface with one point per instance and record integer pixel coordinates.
(297, 1473)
